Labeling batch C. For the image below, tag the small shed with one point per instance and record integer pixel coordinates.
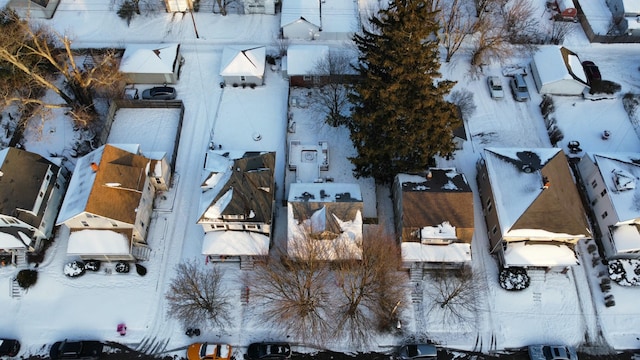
(300, 19)
(152, 64)
(243, 65)
(557, 70)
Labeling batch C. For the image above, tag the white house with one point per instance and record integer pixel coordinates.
(324, 221)
(611, 184)
(301, 64)
(32, 188)
(237, 205)
(531, 206)
(557, 70)
(111, 193)
(243, 65)
(152, 64)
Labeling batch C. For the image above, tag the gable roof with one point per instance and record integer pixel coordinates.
(438, 196)
(294, 10)
(113, 190)
(151, 59)
(303, 59)
(523, 203)
(339, 16)
(621, 174)
(239, 61)
(21, 178)
(556, 63)
(243, 186)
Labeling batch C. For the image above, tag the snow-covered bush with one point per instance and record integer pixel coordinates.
(74, 268)
(625, 272)
(122, 267)
(92, 265)
(514, 278)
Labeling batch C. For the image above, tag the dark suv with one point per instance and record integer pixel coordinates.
(159, 93)
(85, 350)
(592, 71)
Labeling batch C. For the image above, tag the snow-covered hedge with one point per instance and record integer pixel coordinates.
(514, 278)
(74, 268)
(625, 272)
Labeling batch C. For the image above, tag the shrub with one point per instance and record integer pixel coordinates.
(625, 272)
(514, 278)
(27, 278)
(74, 269)
(92, 265)
(127, 11)
(122, 267)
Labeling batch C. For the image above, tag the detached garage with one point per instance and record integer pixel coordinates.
(152, 64)
(558, 71)
(243, 65)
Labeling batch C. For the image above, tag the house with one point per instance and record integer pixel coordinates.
(242, 65)
(267, 7)
(152, 64)
(237, 206)
(628, 11)
(434, 218)
(32, 189)
(531, 206)
(109, 204)
(34, 9)
(557, 70)
(319, 19)
(324, 221)
(611, 186)
(302, 64)
(300, 19)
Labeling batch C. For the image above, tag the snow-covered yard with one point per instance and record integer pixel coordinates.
(556, 307)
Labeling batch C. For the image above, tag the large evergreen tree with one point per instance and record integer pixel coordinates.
(400, 119)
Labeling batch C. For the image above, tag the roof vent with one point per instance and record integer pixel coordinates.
(623, 180)
(94, 167)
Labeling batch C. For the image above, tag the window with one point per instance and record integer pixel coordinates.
(603, 192)
(604, 215)
(252, 227)
(594, 201)
(41, 194)
(243, 78)
(494, 230)
(594, 184)
(88, 215)
(306, 78)
(48, 177)
(158, 181)
(85, 224)
(142, 223)
(114, 224)
(489, 205)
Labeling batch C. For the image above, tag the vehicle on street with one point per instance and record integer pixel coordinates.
(84, 350)
(592, 71)
(552, 352)
(270, 351)
(519, 88)
(159, 93)
(205, 351)
(417, 351)
(495, 87)
(9, 347)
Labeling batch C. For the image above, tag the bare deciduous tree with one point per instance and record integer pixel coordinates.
(464, 100)
(520, 24)
(196, 295)
(560, 30)
(457, 24)
(372, 289)
(295, 293)
(39, 55)
(453, 294)
(331, 97)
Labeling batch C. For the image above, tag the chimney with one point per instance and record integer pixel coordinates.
(545, 183)
(94, 167)
(429, 175)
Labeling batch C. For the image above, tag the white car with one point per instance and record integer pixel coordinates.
(552, 352)
(495, 87)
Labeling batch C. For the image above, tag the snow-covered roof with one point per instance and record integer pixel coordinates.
(621, 175)
(9, 241)
(82, 181)
(149, 58)
(293, 10)
(452, 253)
(339, 16)
(552, 65)
(98, 242)
(631, 6)
(243, 61)
(235, 243)
(551, 255)
(626, 238)
(534, 190)
(303, 59)
(324, 192)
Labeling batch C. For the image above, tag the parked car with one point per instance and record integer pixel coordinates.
(205, 351)
(519, 88)
(85, 350)
(418, 351)
(552, 352)
(592, 71)
(270, 351)
(9, 347)
(159, 93)
(495, 87)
